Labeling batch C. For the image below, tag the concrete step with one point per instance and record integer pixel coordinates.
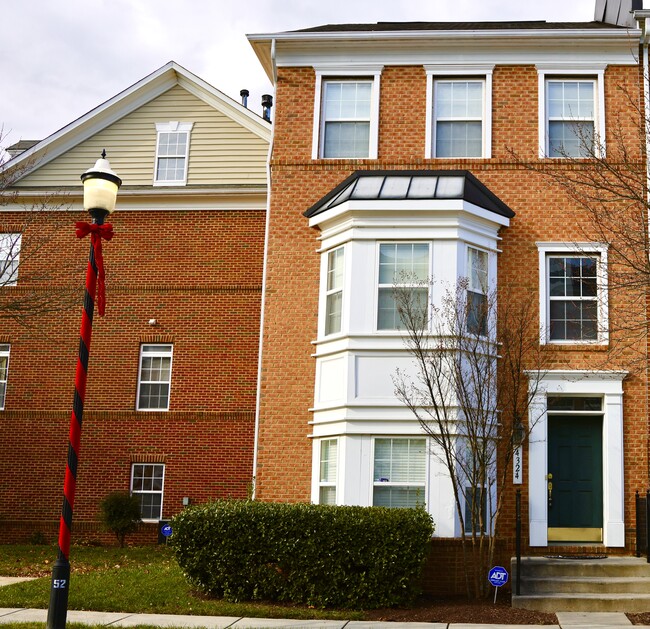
(612, 584)
(568, 585)
(584, 602)
(609, 567)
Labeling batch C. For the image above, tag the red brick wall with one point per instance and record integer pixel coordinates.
(199, 275)
(543, 213)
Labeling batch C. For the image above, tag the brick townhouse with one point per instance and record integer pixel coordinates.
(428, 147)
(171, 392)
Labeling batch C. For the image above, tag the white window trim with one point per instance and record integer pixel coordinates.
(169, 354)
(10, 245)
(172, 127)
(596, 72)
(609, 385)
(377, 286)
(5, 353)
(460, 72)
(149, 491)
(546, 249)
(373, 73)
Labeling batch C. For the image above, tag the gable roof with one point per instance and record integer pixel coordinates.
(394, 185)
(127, 101)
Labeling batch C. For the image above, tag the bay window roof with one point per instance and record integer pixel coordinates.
(401, 185)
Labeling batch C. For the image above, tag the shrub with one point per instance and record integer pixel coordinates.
(325, 556)
(120, 513)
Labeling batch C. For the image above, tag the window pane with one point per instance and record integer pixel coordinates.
(327, 495)
(333, 308)
(347, 139)
(335, 269)
(328, 455)
(398, 497)
(459, 139)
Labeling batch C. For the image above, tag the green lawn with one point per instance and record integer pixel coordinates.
(135, 580)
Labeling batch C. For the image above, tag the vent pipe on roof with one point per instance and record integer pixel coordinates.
(267, 103)
(244, 97)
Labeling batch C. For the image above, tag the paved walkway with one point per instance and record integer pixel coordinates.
(566, 620)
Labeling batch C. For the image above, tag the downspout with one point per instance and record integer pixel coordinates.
(263, 304)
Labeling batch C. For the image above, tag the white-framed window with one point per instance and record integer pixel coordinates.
(9, 258)
(334, 291)
(477, 291)
(573, 293)
(4, 373)
(346, 113)
(402, 266)
(328, 471)
(571, 110)
(458, 115)
(147, 482)
(459, 111)
(172, 153)
(399, 476)
(155, 377)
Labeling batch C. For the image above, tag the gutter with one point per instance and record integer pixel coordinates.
(258, 396)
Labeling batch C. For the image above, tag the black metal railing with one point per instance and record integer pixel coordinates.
(642, 524)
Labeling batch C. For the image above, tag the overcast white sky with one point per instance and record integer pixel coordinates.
(60, 59)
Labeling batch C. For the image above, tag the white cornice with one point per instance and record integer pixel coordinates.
(526, 46)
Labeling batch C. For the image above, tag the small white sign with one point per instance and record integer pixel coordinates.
(518, 465)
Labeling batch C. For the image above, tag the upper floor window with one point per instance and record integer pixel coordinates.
(573, 294)
(399, 472)
(571, 111)
(477, 291)
(458, 114)
(155, 377)
(334, 295)
(403, 285)
(459, 111)
(346, 114)
(9, 258)
(4, 372)
(147, 483)
(172, 153)
(328, 465)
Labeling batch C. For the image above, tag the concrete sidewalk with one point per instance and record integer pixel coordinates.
(566, 620)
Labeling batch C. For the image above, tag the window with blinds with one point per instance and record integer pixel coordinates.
(399, 472)
(328, 466)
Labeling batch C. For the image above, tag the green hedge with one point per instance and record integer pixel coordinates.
(356, 557)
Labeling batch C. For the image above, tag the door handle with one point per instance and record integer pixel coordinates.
(549, 486)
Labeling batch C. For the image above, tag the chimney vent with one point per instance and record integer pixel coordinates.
(267, 103)
(244, 97)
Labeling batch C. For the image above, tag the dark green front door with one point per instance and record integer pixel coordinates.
(575, 467)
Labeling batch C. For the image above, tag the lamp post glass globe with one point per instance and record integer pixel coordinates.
(100, 186)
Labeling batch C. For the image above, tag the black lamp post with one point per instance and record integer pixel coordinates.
(100, 192)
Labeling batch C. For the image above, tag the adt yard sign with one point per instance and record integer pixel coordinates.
(166, 530)
(498, 576)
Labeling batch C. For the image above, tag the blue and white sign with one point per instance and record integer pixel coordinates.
(166, 530)
(498, 576)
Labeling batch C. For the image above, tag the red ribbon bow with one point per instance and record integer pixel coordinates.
(97, 233)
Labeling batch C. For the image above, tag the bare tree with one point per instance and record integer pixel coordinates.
(607, 182)
(34, 277)
(471, 397)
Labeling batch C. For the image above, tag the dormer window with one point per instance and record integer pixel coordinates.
(172, 153)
